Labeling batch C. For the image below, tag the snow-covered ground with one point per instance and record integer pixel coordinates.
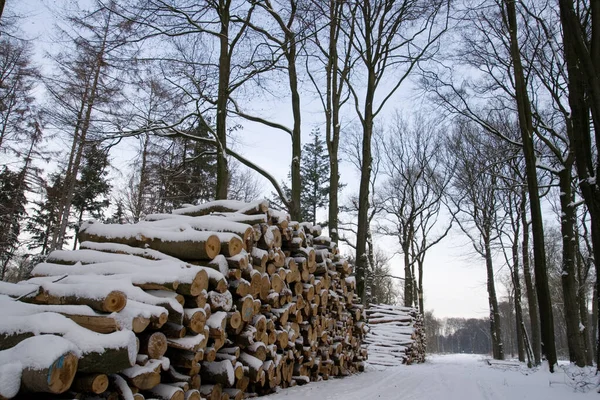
(452, 377)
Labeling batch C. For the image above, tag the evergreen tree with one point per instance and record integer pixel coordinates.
(314, 170)
(12, 211)
(184, 174)
(92, 187)
(45, 215)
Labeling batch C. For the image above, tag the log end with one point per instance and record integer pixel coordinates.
(61, 373)
(212, 246)
(115, 301)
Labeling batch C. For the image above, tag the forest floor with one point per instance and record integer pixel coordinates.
(454, 377)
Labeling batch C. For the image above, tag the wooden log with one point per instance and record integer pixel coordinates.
(255, 366)
(234, 394)
(259, 257)
(25, 366)
(90, 383)
(187, 245)
(221, 372)
(166, 392)
(193, 394)
(234, 320)
(194, 319)
(101, 353)
(240, 287)
(102, 299)
(220, 301)
(143, 377)
(211, 392)
(173, 331)
(196, 301)
(191, 343)
(153, 344)
(217, 323)
(225, 206)
(101, 324)
(232, 244)
(239, 261)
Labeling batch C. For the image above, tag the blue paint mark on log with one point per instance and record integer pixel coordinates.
(58, 364)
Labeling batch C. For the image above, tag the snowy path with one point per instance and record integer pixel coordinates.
(452, 377)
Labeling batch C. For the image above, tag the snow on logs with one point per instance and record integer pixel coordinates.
(396, 335)
(216, 301)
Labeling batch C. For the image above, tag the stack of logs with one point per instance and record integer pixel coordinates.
(217, 301)
(396, 335)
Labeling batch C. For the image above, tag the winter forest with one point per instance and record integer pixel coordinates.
(393, 126)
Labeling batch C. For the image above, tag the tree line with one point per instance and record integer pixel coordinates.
(511, 98)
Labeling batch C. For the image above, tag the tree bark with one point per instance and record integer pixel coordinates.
(583, 65)
(536, 345)
(537, 225)
(222, 99)
(495, 323)
(568, 275)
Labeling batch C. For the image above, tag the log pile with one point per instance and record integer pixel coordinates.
(217, 301)
(396, 335)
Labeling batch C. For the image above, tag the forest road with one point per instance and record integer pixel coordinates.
(451, 377)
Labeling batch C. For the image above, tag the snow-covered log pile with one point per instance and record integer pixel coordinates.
(221, 300)
(396, 335)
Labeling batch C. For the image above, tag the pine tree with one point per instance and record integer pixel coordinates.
(92, 186)
(45, 215)
(314, 180)
(12, 211)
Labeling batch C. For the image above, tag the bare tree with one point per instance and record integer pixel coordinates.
(333, 59)
(81, 90)
(390, 38)
(478, 159)
(412, 195)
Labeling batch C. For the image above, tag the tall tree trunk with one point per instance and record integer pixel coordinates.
(420, 287)
(495, 323)
(296, 131)
(583, 67)
(71, 178)
(139, 198)
(568, 275)
(332, 119)
(532, 305)
(408, 277)
(365, 177)
(516, 280)
(537, 224)
(583, 308)
(223, 96)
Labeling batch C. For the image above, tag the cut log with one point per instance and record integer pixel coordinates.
(153, 344)
(211, 392)
(218, 372)
(185, 245)
(224, 206)
(220, 301)
(26, 365)
(166, 392)
(194, 319)
(97, 297)
(144, 377)
(90, 383)
(101, 353)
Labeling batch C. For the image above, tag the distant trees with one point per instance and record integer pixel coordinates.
(457, 335)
